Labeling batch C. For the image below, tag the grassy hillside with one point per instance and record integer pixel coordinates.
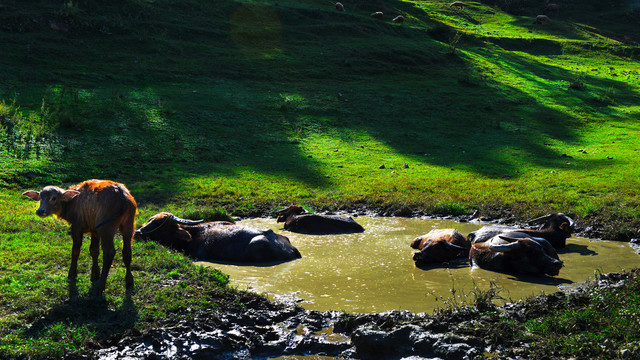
(250, 106)
(254, 105)
(208, 106)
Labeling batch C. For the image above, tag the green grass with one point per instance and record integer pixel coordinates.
(598, 324)
(239, 108)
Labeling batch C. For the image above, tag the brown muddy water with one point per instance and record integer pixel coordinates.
(374, 271)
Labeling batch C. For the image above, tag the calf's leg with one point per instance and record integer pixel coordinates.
(94, 250)
(108, 252)
(76, 236)
(127, 230)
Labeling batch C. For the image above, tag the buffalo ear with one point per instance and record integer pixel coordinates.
(183, 235)
(33, 195)
(564, 226)
(415, 244)
(70, 194)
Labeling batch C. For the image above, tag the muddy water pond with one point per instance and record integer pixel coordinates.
(374, 271)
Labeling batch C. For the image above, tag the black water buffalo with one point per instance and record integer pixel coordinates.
(218, 240)
(440, 245)
(297, 220)
(532, 256)
(556, 228)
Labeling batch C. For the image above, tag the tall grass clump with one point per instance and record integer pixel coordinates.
(25, 135)
(605, 326)
(62, 107)
(577, 82)
(453, 44)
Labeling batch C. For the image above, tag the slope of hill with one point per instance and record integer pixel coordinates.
(203, 107)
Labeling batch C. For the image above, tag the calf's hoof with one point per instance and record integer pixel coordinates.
(72, 275)
(128, 281)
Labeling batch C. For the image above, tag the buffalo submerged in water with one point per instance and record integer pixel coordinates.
(218, 240)
(296, 219)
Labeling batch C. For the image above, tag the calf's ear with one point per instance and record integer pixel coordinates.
(69, 194)
(33, 195)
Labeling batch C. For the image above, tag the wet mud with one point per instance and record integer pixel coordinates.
(266, 330)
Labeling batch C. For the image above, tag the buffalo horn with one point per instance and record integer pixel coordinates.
(505, 247)
(185, 221)
(454, 246)
(289, 209)
(570, 220)
(539, 219)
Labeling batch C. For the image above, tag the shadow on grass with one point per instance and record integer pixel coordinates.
(91, 312)
(177, 107)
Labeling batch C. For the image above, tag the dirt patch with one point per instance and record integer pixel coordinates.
(263, 329)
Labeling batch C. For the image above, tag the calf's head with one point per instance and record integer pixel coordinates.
(51, 199)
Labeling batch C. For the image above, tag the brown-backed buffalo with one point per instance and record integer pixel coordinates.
(98, 207)
(532, 256)
(438, 246)
(297, 220)
(218, 240)
(556, 228)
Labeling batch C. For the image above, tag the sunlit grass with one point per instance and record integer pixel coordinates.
(205, 114)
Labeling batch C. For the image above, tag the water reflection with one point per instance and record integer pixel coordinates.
(373, 271)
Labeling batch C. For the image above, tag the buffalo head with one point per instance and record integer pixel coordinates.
(438, 251)
(440, 245)
(51, 199)
(525, 255)
(167, 229)
(292, 210)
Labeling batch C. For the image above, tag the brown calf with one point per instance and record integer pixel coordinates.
(98, 207)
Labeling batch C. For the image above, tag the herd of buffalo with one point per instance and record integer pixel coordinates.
(102, 208)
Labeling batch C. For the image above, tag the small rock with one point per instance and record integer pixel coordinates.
(382, 167)
(58, 26)
(406, 166)
(609, 157)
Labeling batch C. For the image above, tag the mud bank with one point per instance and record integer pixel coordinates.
(261, 329)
